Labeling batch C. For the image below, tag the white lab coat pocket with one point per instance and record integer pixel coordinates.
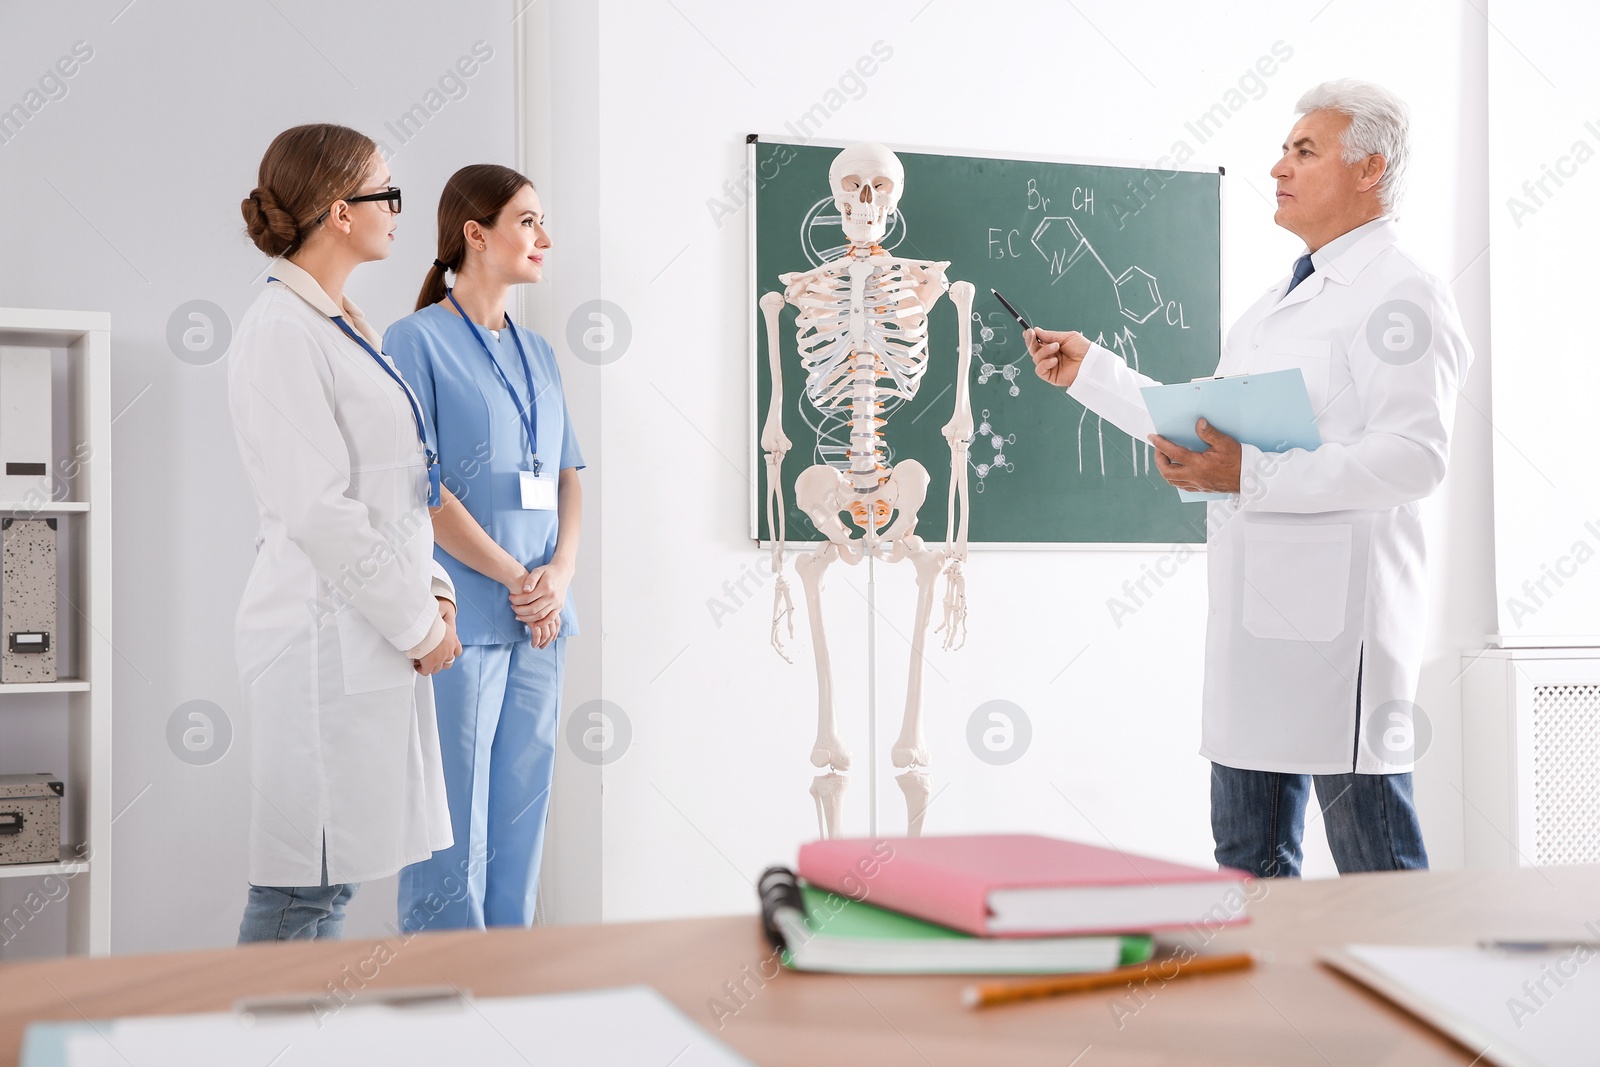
(1296, 581)
(1313, 358)
(369, 661)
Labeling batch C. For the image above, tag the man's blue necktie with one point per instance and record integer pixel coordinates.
(1302, 270)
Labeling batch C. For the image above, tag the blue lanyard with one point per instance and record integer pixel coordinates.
(416, 413)
(529, 415)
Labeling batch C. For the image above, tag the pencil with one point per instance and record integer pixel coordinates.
(1163, 970)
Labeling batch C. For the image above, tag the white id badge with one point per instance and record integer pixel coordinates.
(538, 491)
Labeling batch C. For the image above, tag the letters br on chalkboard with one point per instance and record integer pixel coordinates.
(1129, 255)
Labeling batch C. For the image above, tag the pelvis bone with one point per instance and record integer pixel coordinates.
(825, 493)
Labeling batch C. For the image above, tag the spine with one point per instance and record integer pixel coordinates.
(865, 455)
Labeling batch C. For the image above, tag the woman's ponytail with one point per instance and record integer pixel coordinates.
(433, 286)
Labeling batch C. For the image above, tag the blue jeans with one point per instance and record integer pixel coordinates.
(1257, 818)
(296, 913)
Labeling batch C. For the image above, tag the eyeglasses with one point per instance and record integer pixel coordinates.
(391, 195)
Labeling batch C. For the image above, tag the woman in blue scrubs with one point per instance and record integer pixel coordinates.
(508, 536)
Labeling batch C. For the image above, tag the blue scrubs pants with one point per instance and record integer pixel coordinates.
(498, 711)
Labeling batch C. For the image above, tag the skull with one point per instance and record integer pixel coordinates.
(866, 179)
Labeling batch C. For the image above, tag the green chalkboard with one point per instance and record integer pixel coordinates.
(1130, 256)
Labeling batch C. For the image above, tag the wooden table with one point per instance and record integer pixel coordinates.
(1288, 1011)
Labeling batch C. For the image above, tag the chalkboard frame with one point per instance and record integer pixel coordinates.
(757, 324)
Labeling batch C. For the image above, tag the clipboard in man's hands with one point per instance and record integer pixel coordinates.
(1271, 411)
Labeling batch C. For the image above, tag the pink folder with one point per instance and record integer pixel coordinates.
(1025, 885)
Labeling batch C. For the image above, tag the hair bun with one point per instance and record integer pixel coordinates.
(271, 228)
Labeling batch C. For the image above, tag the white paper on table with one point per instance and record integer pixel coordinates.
(1479, 997)
(629, 1026)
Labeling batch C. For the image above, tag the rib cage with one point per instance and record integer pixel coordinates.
(894, 331)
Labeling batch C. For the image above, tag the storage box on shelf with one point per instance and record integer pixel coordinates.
(75, 491)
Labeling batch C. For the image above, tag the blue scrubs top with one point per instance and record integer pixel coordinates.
(482, 446)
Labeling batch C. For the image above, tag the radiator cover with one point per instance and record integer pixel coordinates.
(1531, 756)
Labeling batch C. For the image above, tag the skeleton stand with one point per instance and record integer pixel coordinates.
(872, 699)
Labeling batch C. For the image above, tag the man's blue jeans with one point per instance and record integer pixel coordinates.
(1257, 818)
(296, 913)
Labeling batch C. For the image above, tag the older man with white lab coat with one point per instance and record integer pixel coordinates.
(1316, 559)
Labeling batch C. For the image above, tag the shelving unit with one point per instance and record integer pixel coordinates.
(68, 864)
(85, 511)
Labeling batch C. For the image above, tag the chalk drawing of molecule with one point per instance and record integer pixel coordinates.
(986, 370)
(996, 460)
(1062, 244)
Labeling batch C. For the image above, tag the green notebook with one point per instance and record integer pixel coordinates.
(853, 937)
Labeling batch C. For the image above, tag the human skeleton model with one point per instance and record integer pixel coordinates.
(863, 338)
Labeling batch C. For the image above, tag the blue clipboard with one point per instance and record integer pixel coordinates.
(1271, 411)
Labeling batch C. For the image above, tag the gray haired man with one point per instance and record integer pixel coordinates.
(1316, 559)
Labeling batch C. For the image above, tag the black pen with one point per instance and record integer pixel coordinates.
(1014, 312)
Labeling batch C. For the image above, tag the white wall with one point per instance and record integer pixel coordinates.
(714, 785)
(123, 196)
(560, 106)
(1544, 172)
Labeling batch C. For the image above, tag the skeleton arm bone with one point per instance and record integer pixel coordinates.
(776, 445)
(958, 433)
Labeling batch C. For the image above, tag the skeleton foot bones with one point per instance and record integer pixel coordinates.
(862, 339)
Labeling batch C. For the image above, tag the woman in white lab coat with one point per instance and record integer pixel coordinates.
(345, 615)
